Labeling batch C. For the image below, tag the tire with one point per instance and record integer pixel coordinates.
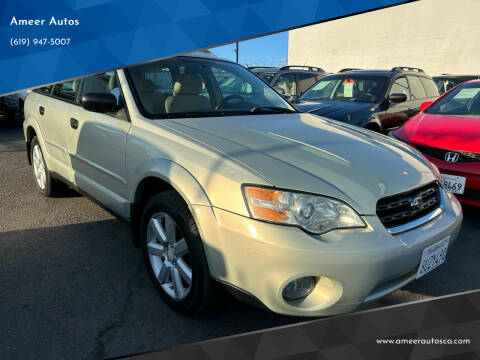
(168, 258)
(45, 184)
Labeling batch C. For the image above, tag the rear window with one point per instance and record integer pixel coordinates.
(305, 80)
(66, 90)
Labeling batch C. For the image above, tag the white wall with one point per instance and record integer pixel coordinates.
(439, 36)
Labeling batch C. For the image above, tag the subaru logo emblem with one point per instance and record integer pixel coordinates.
(417, 203)
(452, 156)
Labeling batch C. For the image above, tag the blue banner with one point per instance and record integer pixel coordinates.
(43, 42)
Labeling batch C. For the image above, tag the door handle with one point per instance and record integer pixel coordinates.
(74, 123)
(41, 110)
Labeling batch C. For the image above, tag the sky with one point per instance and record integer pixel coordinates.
(271, 50)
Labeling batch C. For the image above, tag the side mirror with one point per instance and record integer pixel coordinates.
(99, 102)
(397, 98)
(280, 90)
(425, 104)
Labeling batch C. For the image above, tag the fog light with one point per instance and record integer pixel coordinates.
(298, 288)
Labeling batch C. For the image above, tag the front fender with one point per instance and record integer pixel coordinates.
(174, 174)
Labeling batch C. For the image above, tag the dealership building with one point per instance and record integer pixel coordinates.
(419, 34)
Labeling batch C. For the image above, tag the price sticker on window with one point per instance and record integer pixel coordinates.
(348, 87)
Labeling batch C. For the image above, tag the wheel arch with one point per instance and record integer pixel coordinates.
(30, 133)
(161, 175)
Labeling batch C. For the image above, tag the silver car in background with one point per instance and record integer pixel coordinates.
(225, 183)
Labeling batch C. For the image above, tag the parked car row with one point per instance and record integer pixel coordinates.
(446, 131)
(226, 184)
(11, 106)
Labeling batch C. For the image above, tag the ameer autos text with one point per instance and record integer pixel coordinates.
(42, 22)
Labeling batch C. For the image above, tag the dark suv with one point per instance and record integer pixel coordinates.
(291, 80)
(379, 100)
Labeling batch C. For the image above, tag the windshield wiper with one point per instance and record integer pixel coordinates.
(270, 109)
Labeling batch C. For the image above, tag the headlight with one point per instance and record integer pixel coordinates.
(313, 213)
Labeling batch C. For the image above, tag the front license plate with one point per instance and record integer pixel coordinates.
(453, 183)
(433, 256)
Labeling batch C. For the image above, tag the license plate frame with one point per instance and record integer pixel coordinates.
(454, 183)
(433, 256)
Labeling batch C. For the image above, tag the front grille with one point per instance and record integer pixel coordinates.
(440, 154)
(408, 206)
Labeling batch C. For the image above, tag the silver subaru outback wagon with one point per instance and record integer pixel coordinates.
(226, 185)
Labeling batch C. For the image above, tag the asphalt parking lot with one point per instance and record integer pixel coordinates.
(74, 286)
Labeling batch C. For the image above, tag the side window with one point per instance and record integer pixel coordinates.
(66, 90)
(288, 83)
(430, 87)
(162, 81)
(400, 86)
(106, 83)
(305, 81)
(416, 88)
(154, 85)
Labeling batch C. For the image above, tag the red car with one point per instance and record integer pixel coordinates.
(447, 132)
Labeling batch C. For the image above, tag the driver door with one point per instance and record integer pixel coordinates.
(97, 146)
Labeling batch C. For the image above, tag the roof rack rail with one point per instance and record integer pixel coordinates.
(348, 69)
(261, 67)
(311, 68)
(407, 68)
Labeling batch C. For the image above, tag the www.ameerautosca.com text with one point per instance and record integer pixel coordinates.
(424, 341)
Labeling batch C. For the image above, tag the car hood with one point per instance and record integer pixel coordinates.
(459, 133)
(333, 109)
(307, 153)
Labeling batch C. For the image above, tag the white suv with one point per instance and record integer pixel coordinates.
(224, 182)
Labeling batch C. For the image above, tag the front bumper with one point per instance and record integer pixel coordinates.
(360, 265)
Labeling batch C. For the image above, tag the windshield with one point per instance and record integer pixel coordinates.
(195, 87)
(462, 101)
(367, 89)
(266, 76)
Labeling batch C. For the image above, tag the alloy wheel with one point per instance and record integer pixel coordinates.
(169, 256)
(39, 169)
